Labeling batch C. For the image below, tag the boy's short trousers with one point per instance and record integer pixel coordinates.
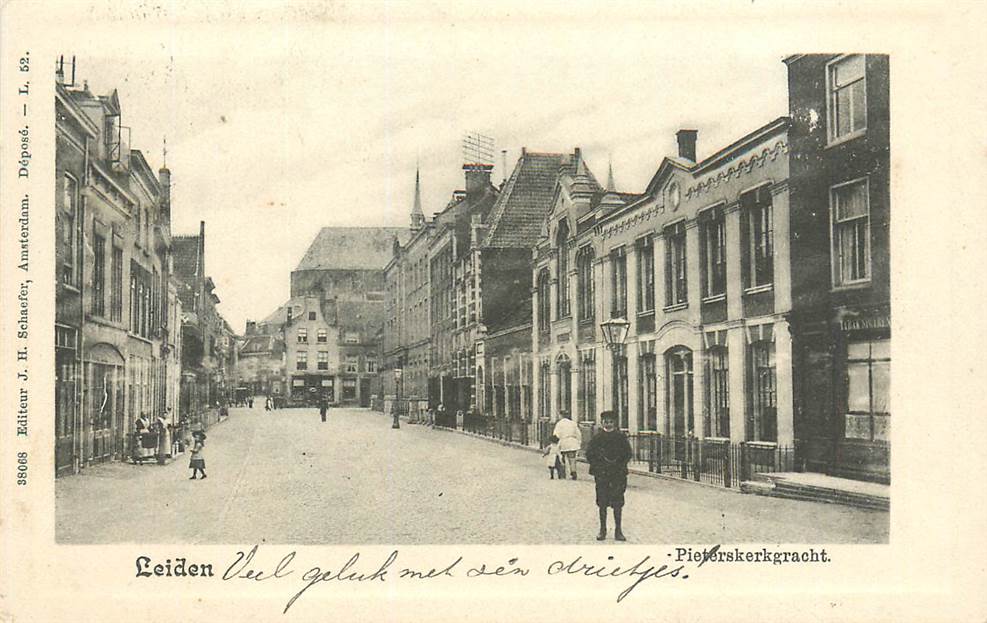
(610, 490)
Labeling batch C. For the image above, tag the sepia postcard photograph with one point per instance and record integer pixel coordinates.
(478, 304)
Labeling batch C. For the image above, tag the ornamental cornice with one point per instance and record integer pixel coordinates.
(629, 221)
(738, 170)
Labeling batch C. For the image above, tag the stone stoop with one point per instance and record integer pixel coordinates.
(778, 485)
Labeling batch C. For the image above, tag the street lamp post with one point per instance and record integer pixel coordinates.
(614, 334)
(398, 373)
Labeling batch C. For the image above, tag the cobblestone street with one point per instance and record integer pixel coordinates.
(285, 477)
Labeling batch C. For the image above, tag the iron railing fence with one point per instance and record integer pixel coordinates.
(713, 461)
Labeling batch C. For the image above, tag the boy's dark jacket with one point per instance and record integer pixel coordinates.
(608, 454)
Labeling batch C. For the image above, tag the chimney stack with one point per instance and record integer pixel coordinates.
(477, 177)
(687, 144)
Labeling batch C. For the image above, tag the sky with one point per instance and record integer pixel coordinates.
(280, 121)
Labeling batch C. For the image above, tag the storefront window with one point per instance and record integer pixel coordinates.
(868, 390)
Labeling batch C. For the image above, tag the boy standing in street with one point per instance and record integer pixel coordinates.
(608, 454)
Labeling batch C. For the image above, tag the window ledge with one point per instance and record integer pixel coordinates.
(676, 307)
(762, 444)
(70, 287)
(759, 289)
(647, 312)
(845, 138)
(715, 298)
(856, 285)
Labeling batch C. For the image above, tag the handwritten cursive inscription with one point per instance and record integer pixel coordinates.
(347, 573)
(240, 569)
(638, 570)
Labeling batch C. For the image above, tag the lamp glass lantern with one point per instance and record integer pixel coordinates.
(615, 332)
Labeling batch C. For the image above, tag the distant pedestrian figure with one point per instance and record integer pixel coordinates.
(267, 403)
(323, 407)
(141, 428)
(430, 417)
(553, 458)
(608, 454)
(250, 402)
(197, 461)
(570, 440)
(164, 437)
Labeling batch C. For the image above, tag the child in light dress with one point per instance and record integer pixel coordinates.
(197, 462)
(553, 458)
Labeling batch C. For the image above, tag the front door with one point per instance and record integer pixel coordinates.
(65, 408)
(815, 424)
(679, 368)
(102, 403)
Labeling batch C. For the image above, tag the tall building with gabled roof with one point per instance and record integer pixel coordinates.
(343, 269)
(504, 372)
(480, 266)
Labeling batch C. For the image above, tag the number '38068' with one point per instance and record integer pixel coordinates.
(22, 468)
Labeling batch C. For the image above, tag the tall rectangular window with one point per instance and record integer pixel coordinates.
(847, 96)
(717, 392)
(302, 337)
(562, 274)
(764, 393)
(69, 219)
(676, 285)
(712, 239)
(322, 336)
(99, 276)
(301, 360)
(587, 386)
(850, 212)
(645, 275)
(116, 285)
(618, 282)
(544, 301)
(620, 390)
(585, 280)
(758, 235)
(544, 390)
(868, 390)
(323, 360)
(648, 391)
(134, 306)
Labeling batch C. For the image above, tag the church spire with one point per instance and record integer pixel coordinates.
(611, 187)
(417, 216)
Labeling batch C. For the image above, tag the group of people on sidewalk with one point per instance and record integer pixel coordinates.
(152, 440)
(607, 453)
